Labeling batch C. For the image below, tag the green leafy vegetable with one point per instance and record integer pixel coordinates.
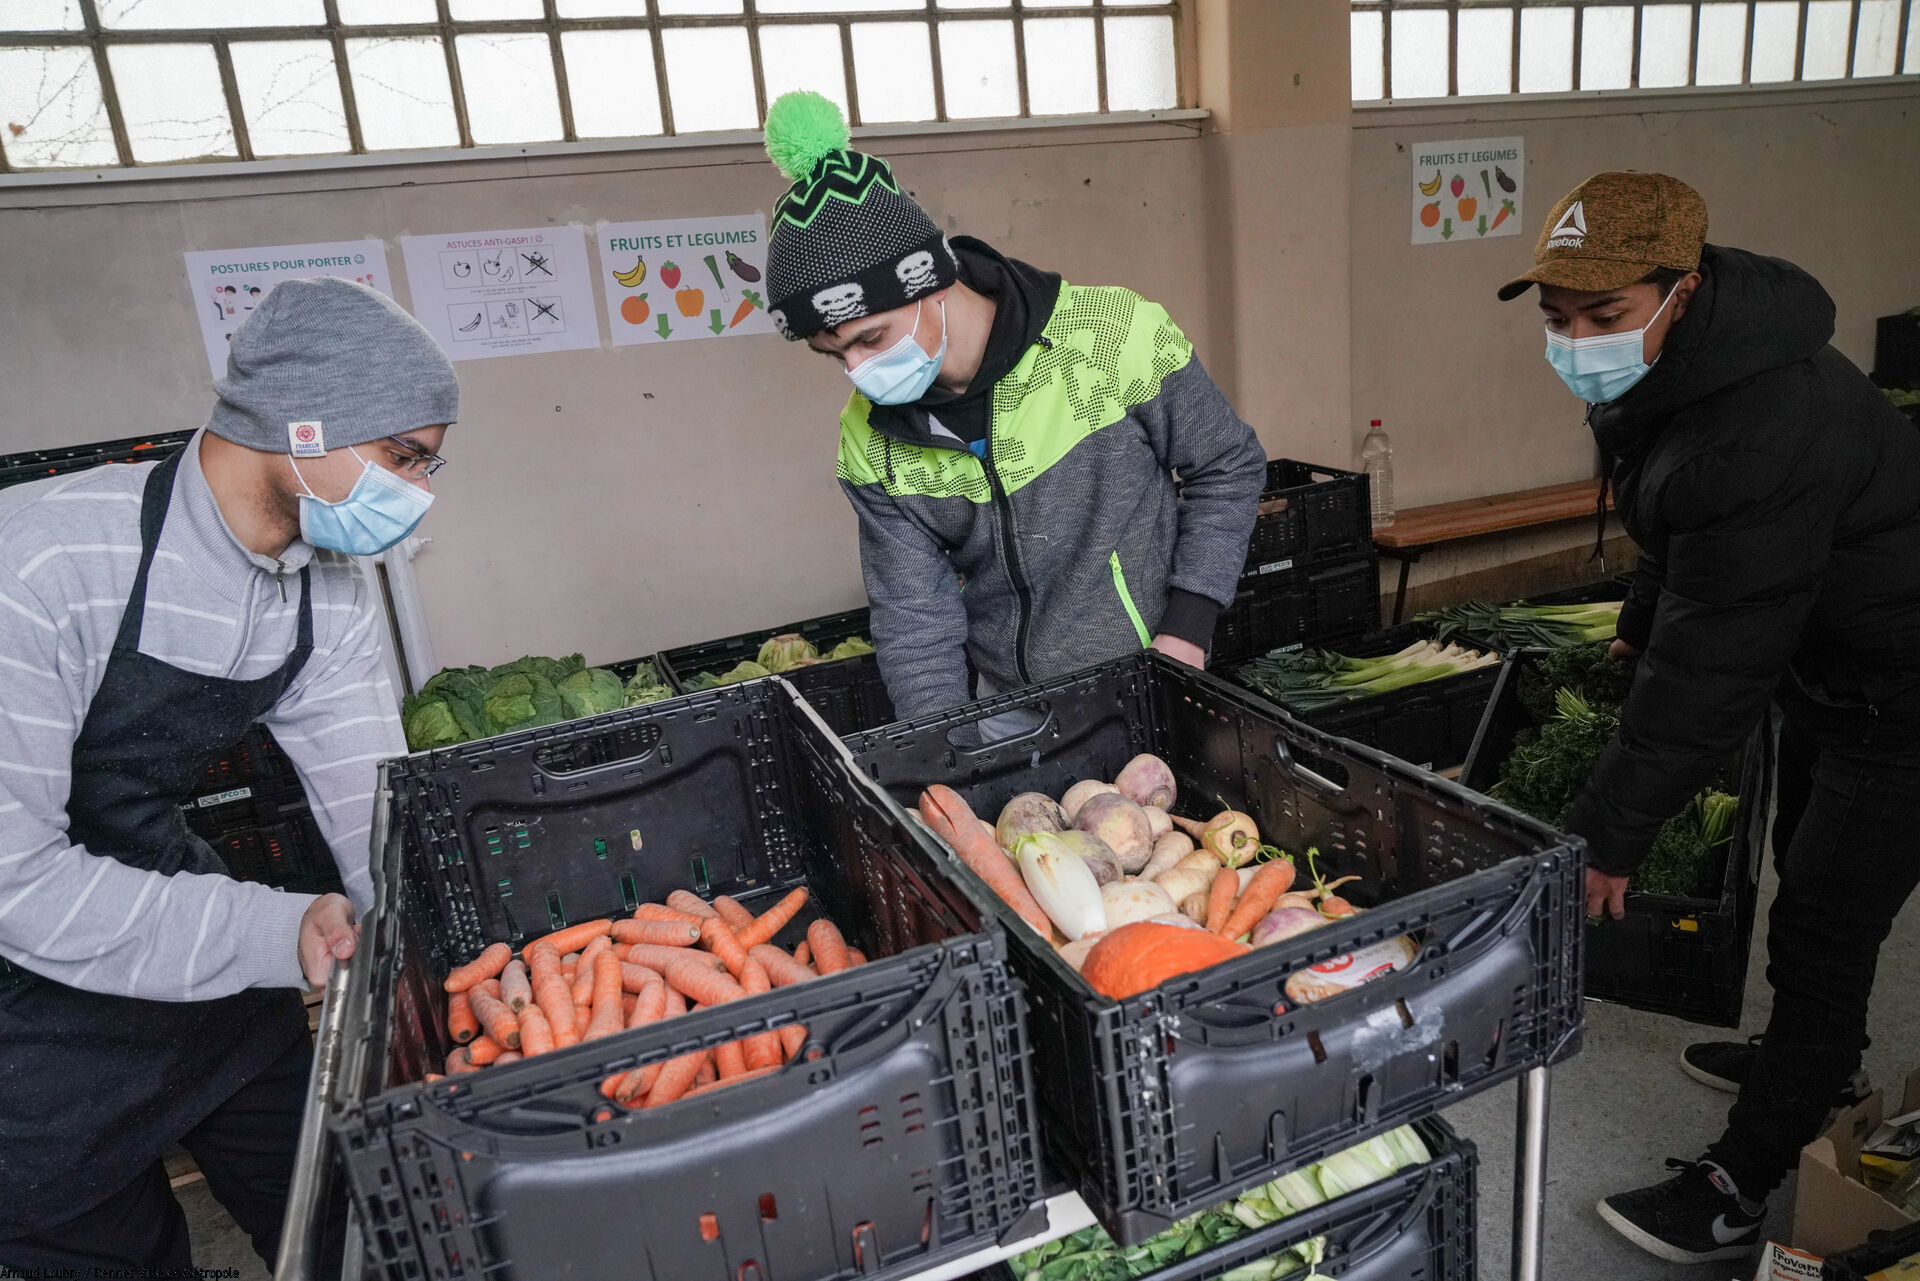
(1320, 678)
(460, 704)
(785, 652)
(645, 686)
(1514, 626)
(851, 647)
(591, 691)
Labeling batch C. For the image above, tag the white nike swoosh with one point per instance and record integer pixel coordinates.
(1726, 1235)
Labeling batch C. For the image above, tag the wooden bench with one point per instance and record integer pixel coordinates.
(1419, 530)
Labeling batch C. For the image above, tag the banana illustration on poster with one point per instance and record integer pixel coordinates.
(1467, 189)
(673, 279)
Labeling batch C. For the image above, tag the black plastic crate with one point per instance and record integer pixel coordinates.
(848, 693)
(1417, 1225)
(1309, 515)
(1170, 1101)
(38, 464)
(1896, 350)
(1431, 725)
(1678, 954)
(902, 1135)
(287, 853)
(253, 768)
(1298, 608)
(1874, 1257)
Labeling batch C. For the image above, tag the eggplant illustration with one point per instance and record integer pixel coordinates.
(742, 268)
(1500, 176)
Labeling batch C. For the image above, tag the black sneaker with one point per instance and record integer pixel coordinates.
(1724, 1065)
(1695, 1217)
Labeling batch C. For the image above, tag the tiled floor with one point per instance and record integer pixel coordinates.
(1618, 1109)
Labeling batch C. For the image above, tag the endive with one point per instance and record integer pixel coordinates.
(1061, 883)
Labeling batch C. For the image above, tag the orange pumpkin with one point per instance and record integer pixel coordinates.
(1137, 957)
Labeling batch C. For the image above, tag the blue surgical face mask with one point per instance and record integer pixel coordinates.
(381, 510)
(902, 373)
(1603, 367)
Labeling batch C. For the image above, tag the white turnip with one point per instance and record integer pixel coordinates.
(1147, 780)
(1122, 825)
(1082, 792)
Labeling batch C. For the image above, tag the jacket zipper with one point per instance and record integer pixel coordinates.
(1023, 594)
(1126, 600)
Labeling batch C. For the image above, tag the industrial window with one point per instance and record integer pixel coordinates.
(1465, 48)
(100, 83)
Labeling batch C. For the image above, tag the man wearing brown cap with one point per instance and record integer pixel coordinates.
(1775, 497)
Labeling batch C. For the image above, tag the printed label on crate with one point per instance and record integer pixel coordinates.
(682, 278)
(1274, 567)
(1470, 189)
(221, 798)
(503, 293)
(227, 284)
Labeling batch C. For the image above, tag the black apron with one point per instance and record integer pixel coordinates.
(93, 1088)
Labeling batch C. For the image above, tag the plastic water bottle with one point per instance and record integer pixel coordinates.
(1376, 459)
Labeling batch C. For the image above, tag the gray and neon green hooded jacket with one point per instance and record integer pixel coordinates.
(1064, 523)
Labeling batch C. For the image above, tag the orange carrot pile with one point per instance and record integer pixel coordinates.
(602, 977)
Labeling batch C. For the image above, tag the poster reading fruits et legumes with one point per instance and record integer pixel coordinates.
(1467, 190)
(681, 278)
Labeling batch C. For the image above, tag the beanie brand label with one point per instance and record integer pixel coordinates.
(307, 440)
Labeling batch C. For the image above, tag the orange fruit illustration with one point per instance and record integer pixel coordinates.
(635, 310)
(1430, 215)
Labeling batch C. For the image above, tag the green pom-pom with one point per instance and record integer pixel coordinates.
(803, 128)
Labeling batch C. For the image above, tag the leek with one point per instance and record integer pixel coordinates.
(1513, 626)
(1351, 1170)
(1316, 679)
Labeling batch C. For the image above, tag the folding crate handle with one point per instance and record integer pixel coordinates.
(1048, 723)
(299, 1233)
(1283, 752)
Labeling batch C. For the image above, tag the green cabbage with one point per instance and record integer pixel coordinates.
(521, 700)
(429, 722)
(786, 651)
(591, 691)
(646, 687)
(746, 671)
(851, 647)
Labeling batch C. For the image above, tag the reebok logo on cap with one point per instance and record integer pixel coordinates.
(1571, 231)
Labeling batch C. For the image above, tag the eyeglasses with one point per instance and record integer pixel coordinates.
(420, 463)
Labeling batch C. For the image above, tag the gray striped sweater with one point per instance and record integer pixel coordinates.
(69, 548)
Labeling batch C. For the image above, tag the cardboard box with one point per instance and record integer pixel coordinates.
(1833, 1211)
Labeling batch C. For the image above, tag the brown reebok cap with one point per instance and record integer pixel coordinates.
(1612, 230)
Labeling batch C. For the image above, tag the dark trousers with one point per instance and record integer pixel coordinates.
(1848, 855)
(245, 1149)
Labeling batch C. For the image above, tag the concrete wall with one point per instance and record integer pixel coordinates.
(1827, 177)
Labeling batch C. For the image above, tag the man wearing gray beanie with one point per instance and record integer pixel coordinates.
(148, 615)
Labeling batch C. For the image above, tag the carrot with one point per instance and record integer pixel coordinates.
(582, 1020)
(723, 1082)
(555, 1000)
(484, 966)
(459, 1063)
(431, 1077)
(461, 1025)
(731, 1060)
(536, 1034)
(737, 917)
(781, 968)
(855, 957)
(508, 1056)
(490, 986)
(763, 1048)
(574, 937)
(655, 957)
(660, 912)
(626, 1005)
(829, 948)
(607, 1017)
(793, 1037)
(709, 987)
(803, 953)
(661, 933)
(719, 939)
(675, 1078)
(516, 989)
(690, 903)
(484, 1050)
(950, 820)
(635, 978)
(650, 1006)
(773, 920)
(676, 1002)
(584, 971)
(1266, 887)
(1226, 884)
(499, 1021)
(709, 1072)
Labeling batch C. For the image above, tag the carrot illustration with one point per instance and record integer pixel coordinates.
(1506, 209)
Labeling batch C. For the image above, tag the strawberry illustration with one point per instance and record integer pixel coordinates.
(670, 275)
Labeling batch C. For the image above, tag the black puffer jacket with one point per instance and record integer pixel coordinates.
(1775, 496)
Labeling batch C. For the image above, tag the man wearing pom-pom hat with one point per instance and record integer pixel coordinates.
(1008, 431)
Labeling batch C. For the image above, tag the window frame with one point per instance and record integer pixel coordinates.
(91, 34)
(1453, 8)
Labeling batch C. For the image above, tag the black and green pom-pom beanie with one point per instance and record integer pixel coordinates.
(847, 242)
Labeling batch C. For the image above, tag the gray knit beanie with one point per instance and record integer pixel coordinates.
(337, 354)
(846, 242)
